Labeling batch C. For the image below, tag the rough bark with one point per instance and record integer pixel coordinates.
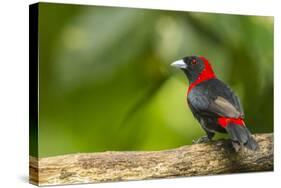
(217, 157)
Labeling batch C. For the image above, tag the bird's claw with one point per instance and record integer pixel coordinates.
(202, 139)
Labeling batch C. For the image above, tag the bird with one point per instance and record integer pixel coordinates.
(214, 104)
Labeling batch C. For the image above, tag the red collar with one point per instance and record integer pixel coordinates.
(206, 74)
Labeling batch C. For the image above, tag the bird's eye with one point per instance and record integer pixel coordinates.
(193, 61)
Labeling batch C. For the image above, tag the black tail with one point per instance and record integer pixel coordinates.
(241, 136)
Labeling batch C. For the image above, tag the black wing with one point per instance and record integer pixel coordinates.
(214, 98)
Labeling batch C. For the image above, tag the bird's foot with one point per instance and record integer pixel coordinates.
(236, 146)
(202, 139)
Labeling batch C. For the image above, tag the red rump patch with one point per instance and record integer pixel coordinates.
(224, 121)
(206, 74)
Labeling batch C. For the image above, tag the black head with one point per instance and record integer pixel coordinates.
(192, 66)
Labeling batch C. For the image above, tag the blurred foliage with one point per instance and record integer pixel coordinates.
(106, 81)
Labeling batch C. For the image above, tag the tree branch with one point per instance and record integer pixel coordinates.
(217, 157)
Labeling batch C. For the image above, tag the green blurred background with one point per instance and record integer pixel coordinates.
(106, 81)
